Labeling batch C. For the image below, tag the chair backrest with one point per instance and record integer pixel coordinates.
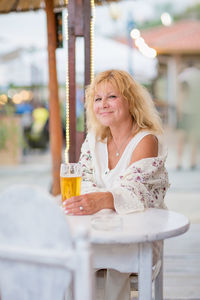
(37, 252)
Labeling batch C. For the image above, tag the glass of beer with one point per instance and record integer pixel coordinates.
(70, 180)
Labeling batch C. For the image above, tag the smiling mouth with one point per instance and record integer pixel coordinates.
(105, 113)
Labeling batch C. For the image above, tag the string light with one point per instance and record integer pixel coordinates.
(144, 48)
(67, 93)
(23, 96)
(3, 99)
(166, 19)
(67, 70)
(92, 20)
(135, 33)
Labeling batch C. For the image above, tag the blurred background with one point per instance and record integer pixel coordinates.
(158, 43)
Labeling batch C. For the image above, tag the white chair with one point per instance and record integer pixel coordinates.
(37, 253)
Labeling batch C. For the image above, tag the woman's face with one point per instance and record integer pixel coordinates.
(110, 108)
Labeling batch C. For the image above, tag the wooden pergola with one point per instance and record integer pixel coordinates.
(79, 16)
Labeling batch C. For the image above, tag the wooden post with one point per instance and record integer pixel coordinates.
(87, 37)
(55, 119)
(72, 10)
(79, 13)
(87, 50)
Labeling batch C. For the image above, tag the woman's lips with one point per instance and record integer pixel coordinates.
(105, 113)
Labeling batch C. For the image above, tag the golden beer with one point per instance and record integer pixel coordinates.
(70, 187)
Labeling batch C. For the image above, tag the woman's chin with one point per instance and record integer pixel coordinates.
(106, 124)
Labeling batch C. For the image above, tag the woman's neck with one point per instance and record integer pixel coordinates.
(119, 132)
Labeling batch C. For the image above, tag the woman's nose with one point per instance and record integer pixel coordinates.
(104, 102)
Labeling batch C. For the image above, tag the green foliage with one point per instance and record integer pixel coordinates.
(80, 123)
(9, 109)
(3, 135)
(150, 24)
(9, 132)
(193, 11)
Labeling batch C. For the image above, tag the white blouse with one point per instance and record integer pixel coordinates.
(106, 177)
(134, 187)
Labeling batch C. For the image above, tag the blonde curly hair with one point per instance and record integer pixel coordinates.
(141, 105)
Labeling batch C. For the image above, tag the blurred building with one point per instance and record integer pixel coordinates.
(176, 45)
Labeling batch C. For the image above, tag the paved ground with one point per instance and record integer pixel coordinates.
(182, 254)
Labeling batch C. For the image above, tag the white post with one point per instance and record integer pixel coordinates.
(145, 271)
(172, 90)
(159, 278)
(83, 272)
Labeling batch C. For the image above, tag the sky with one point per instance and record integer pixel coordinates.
(23, 29)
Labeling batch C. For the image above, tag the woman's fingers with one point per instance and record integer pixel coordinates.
(75, 211)
(72, 200)
(78, 210)
(81, 205)
(75, 205)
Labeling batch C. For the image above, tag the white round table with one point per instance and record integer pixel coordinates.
(129, 248)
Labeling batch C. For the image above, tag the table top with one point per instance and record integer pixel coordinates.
(149, 225)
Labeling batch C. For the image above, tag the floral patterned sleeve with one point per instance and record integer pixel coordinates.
(142, 185)
(89, 184)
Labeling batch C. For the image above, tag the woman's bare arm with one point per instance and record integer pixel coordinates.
(147, 147)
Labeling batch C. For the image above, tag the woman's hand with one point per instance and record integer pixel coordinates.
(88, 204)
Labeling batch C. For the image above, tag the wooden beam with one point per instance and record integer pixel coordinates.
(54, 107)
(79, 15)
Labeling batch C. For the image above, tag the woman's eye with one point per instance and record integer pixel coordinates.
(97, 99)
(112, 96)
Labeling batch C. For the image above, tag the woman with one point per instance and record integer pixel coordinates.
(121, 158)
